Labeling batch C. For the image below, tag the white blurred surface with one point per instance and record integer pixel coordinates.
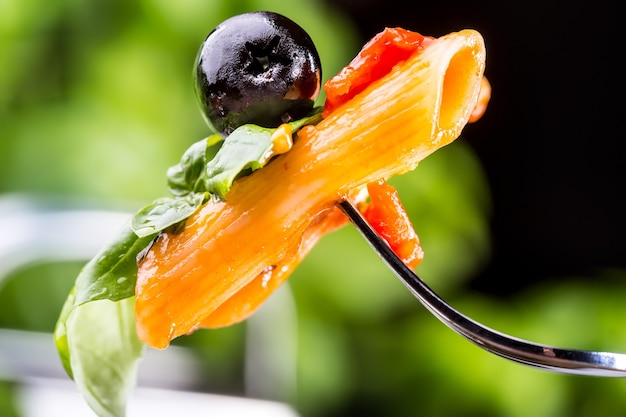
(36, 230)
(54, 398)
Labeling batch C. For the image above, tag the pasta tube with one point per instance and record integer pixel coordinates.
(230, 253)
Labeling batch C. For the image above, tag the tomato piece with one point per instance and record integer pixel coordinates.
(376, 59)
(386, 214)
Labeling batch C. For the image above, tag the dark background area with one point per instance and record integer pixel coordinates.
(551, 142)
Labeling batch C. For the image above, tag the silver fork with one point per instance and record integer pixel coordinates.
(567, 361)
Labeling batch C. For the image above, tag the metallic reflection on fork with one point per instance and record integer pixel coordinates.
(568, 361)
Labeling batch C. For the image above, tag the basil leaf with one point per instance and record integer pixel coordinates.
(189, 174)
(95, 334)
(165, 212)
(102, 348)
(112, 273)
(312, 119)
(246, 147)
(186, 181)
(60, 333)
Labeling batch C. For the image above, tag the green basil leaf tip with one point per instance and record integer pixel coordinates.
(112, 273)
(245, 148)
(165, 212)
(189, 175)
(103, 353)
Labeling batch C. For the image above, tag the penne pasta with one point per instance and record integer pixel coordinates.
(231, 254)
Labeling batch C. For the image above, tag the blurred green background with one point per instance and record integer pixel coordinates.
(96, 102)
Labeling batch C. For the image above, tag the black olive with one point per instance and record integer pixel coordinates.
(260, 68)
